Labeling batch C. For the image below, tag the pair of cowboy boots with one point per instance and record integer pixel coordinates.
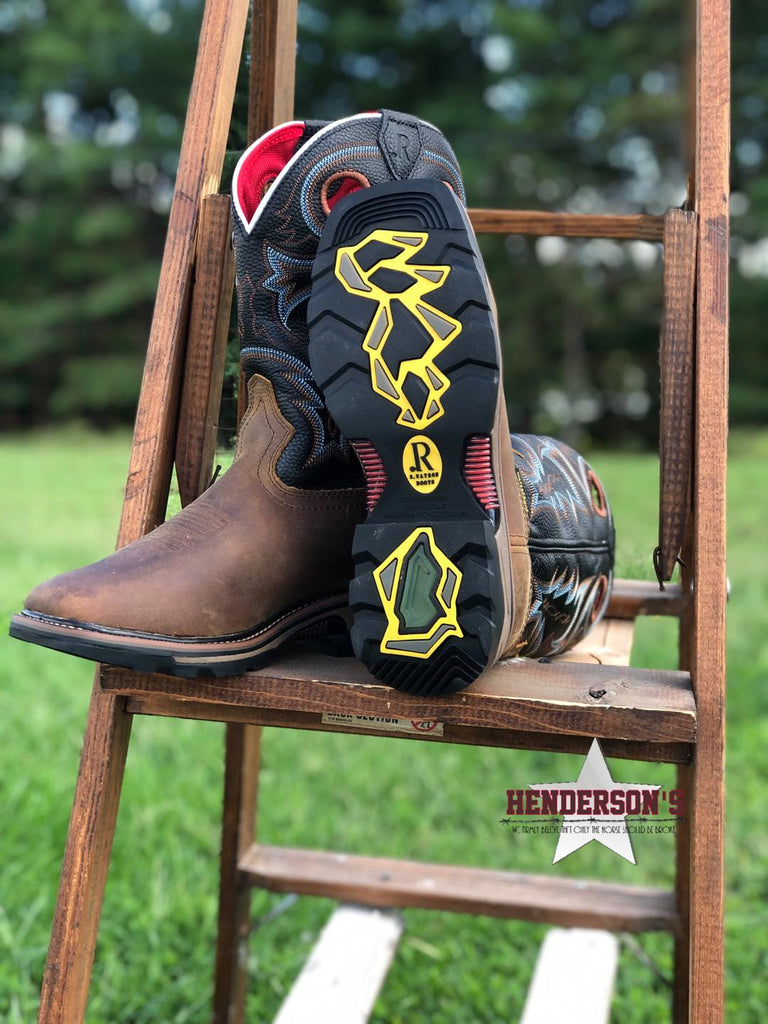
(375, 477)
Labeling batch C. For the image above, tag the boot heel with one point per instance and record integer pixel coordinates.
(425, 601)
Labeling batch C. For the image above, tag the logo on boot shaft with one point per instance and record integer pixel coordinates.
(400, 142)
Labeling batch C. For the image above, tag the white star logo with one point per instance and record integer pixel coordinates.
(579, 829)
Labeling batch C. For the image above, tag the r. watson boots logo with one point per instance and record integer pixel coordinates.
(422, 464)
(594, 807)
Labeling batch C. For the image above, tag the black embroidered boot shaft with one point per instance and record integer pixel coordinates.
(283, 190)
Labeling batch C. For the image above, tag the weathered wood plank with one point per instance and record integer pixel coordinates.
(710, 458)
(681, 956)
(676, 369)
(573, 979)
(273, 60)
(608, 643)
(559, 697)
(630, 598)
(206, 350)
(568, 225)
(86, 861)
(238, 832)
(383, 882)
(634, 750)
(200, 162)
(346, 968)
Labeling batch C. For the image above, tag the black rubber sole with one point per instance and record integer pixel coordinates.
(186, 658)
(403, 345)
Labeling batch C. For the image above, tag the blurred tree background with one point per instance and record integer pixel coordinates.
(570, 105)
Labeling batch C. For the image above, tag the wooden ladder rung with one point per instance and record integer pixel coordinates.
(642, 227)
(632, 598)
(383, 882)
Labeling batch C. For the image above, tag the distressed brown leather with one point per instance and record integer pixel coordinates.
(515, 521)
(247, 549)
(516, 513)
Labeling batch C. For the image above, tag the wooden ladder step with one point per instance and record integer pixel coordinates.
(382, 882)
(555, 705)
(559, 698)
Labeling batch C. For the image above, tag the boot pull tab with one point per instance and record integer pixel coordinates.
(400, 141)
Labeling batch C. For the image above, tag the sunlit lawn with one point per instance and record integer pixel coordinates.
(62, 495)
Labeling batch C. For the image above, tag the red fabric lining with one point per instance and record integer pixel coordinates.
(263, 164)
(347, 186)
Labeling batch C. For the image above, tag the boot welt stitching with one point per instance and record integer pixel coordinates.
(115, 631)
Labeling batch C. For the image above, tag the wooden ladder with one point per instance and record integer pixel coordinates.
(670, 716)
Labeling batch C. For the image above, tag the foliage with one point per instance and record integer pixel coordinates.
(555, 104)
(93, 106)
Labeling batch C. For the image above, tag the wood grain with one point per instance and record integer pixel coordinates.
(200, 162)
(273, 60)
(710, 454)
(206, 349)
(567, 225)
(86, 861)
(681, 989)
(609, 643)
(241, 775)
(559, 698)
(384, 882)
(684, 781)
(676, 370)
(639, 750)
(630, 598)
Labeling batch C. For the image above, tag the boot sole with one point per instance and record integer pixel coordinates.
(414, 383)
(188, 657)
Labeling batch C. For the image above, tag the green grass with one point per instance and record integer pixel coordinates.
(62, 496)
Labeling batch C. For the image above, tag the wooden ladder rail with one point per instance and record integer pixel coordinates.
(704, 638)
(105, 745)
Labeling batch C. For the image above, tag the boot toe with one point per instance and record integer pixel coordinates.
(64, 597)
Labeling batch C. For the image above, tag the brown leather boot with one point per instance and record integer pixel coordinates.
(263, 556)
